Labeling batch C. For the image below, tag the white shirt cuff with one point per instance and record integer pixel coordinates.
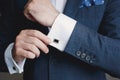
(13, 67)
(61, 31)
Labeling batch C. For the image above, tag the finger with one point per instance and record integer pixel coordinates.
(39, 44)
(28, 15)
(42, 37)
(26, 54)
(29, 54)
(32, 48)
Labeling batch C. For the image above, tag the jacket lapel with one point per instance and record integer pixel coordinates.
(72, 7)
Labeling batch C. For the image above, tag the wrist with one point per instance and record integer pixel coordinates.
(53, 17)
(17, 59)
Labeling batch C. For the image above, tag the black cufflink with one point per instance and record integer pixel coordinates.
(56, 41)
(14, 68)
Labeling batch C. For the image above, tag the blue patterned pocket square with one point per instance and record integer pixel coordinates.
(88, 3)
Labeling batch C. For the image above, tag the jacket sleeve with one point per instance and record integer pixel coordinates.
(8, 29)
(100, 49)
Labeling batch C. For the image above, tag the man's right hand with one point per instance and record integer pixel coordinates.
(28, 45)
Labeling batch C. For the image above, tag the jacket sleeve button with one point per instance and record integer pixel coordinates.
(88, 58)
(78, 53)
(83, 55)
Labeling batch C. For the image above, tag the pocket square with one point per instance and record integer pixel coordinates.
(88, 3)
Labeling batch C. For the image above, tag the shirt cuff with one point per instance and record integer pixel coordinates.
(61, 31)
(13, 67)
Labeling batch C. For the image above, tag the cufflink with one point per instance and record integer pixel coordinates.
(56, 41)
(14, 68)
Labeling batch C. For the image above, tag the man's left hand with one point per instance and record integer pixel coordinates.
(41, 11)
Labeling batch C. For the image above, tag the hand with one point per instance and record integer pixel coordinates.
(28, 45)
(41, 11)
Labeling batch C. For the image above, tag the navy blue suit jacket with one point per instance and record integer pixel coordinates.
(93, 48)
(7, 27)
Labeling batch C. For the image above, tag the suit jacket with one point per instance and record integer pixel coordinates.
(6, 29)
(93, 48)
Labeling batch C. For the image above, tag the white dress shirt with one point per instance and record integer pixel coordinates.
(62, 25)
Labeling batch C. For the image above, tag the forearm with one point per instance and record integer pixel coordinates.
(94, 49)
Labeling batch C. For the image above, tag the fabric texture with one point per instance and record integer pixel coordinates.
(93, 48)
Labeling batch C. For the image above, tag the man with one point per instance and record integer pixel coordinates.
(82, 43)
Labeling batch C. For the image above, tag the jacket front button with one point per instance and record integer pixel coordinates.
(78, 53)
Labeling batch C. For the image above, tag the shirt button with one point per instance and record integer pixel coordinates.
(78, 53)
